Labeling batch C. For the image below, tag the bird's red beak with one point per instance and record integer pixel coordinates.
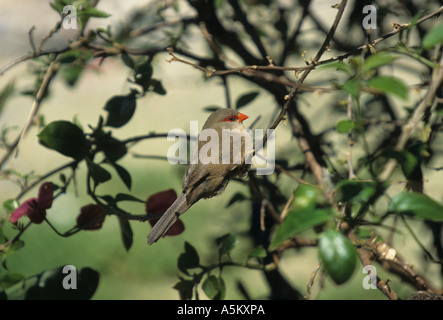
(242, 117)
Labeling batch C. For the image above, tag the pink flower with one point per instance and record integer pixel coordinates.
(35, 208)
(158, 204)
(91, 217)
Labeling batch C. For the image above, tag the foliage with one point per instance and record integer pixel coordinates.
(384, 131)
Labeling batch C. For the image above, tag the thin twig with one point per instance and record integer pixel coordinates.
(50, 73)
(16, 237)
(286, 208)
(144, 30)
(71, 164)
(214, 47)
(296, 242)
(51, 32)
(31, 38)
(398, 29)
(311, 281)
(289, 174)
(152, 136)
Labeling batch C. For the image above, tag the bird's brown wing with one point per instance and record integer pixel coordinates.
(205, 180)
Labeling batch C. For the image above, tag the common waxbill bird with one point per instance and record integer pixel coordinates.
(203, 178)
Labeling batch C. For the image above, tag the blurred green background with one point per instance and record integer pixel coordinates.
(146, 272)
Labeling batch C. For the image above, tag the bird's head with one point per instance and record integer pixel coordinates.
(226, 119)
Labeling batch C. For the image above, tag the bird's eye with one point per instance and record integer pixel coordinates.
(230, 118)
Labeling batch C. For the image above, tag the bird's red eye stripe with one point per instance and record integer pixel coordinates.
(231, 118)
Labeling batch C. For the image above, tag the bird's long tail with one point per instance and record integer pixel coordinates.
(168, 218)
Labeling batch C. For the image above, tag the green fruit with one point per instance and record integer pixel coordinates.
(338, 255)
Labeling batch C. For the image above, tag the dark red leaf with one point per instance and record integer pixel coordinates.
(160, 202)
(31, 209)
(91, 217)
(45, 195)
(177, 228)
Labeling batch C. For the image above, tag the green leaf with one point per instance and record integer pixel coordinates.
(185, 289)
(336, 65)
(157, 87)
(306, 196)
(214, 287)
(415, 18)
(246, 99)
(345, 126)
(126, 233)
(300, 220)
(410, 160)
(120, 110)
(127, 197)
(390, 84)
(189, 259)
(10, 279)
(48, 285)
(378, 60)
(10, 205)
(97, 173)
(413, 158)
(128, 61)
(226, 243)
(433, 37)
(112, 148)
(407, 160)
(143, 74)
(352, 87)
(92, 12)
(108, 199)
(69, 56)
(16, 245)
(355, 191)
(258, 252)
(57, 5)
(123, 174)
(338, 255)
(65, 138)
(417, 205)
(71, 73)
(307, 210)
(5, 94)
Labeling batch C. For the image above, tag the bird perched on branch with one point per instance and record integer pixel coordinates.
(214, 163)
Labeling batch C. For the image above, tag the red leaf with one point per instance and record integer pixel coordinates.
(91, 217)
(46, 195)
(31, 209)
(177, 228)
(160, 202)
